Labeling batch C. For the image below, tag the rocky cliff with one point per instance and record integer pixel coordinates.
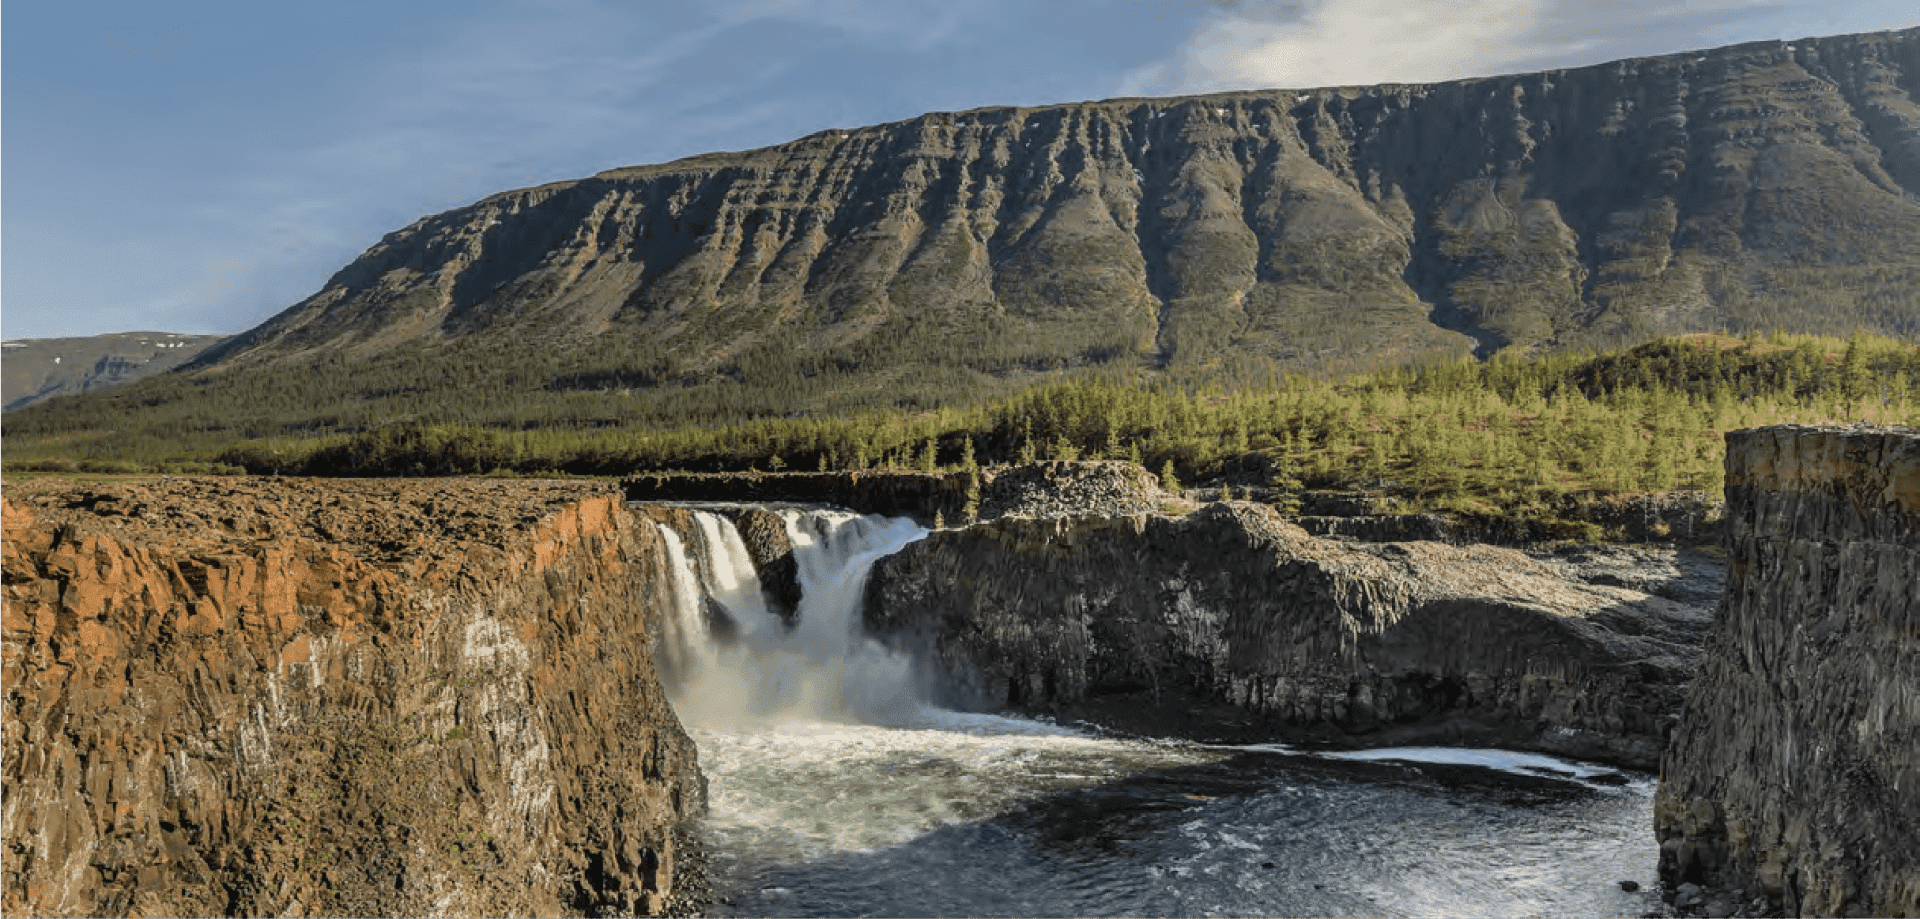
(1229, 623)
(281, 697)
(1795, 772)
(1749, 186)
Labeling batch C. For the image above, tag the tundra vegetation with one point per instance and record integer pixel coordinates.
(1509, 435)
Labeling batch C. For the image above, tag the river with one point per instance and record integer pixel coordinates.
(835, 791)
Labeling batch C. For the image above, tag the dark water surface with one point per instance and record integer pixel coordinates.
(968, 821)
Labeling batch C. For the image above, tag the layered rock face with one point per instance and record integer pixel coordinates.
(270, 697)
(1742, 185)
(1230, 623)
(1795, 771)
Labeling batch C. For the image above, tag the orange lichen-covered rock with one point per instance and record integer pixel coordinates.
(231, 696)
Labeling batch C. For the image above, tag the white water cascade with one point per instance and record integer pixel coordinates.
(822, 668)
(835, 790)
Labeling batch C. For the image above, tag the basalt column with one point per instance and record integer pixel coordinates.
(1795, 771)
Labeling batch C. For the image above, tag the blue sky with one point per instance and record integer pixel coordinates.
(199, 166)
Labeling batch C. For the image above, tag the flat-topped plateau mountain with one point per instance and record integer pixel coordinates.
(41, 368)
(1763, 186)
(1689, 191)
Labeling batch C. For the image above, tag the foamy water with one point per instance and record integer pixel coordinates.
(808, 789)
(836, 790)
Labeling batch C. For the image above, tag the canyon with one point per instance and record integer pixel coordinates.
(436, 697)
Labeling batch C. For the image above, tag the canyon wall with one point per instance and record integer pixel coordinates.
(1228, 623)
(281, 697)
(1795, 771)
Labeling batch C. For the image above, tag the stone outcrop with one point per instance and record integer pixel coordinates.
(1099, 488)
(281, 697)
(765, 536)
(1052, 489)
(1795, 772)
(1379, 528)
(1230, 623)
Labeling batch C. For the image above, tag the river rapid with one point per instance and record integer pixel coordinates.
(835, 791)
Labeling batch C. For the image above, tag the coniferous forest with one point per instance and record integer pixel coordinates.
(1498, 436)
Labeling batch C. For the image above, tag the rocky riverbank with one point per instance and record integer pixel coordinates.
(1793, 781)
(1229, 623)
(299, 697)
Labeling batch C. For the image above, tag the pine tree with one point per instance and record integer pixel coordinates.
(1063, 450)
(1855, 378)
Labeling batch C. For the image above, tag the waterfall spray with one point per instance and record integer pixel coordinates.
(834, 790)
(822, 668)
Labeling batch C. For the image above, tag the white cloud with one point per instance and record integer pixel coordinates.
(1345, 42)
(1337, 43)
(1341, 42)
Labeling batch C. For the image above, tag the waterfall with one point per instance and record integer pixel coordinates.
(822, 668)
(835, 790)
(687, 647)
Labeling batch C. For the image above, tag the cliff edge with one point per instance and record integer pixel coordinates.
(1795, 771)
(286, 697)
(1229, 623)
